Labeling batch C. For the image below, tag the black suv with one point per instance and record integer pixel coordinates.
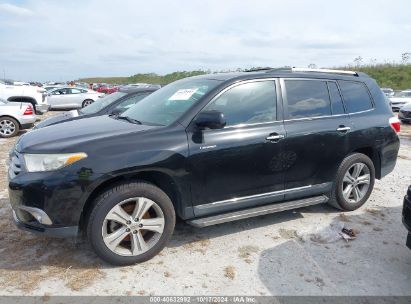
(208, 149)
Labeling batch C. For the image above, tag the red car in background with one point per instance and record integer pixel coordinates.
(106, 89)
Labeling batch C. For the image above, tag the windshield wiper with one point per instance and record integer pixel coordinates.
(129, 119)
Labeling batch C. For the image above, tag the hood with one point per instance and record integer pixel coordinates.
(71, 135)
(57, 119)
(406, 108)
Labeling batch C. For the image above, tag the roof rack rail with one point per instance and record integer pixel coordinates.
(325, 71)
(258, 69)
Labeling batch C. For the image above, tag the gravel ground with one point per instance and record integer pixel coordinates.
(259, 256)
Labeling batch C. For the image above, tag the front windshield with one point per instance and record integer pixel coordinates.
(102, 103)
(166, 105)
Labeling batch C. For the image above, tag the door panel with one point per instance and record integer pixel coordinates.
(235, 163)
(318, 142)
(240, 165)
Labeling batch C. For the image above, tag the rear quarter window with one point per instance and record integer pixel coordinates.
(356, 96)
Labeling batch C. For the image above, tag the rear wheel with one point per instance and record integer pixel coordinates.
(354, 182)
(87, 102)
(9, 127)
(131, 223)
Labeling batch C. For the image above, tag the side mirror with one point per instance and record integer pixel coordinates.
(117, 111)
(211, 120)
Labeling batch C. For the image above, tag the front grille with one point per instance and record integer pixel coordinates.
(15, 164)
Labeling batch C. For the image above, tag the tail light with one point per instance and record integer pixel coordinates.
(29, 111)
(395, 124)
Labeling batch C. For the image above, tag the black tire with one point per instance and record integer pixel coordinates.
(11, 131)
(109, 199)
(337, 198)
(87, 102)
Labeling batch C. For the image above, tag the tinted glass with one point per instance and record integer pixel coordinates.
(307, 98)
(129, 102)
(248, 103)
(336, 100)
(166, 105)
(101, 103)
(356, 96)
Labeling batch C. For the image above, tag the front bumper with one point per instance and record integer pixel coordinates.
(58, 196)
(37, 228)
(42, 108)
(406, 215)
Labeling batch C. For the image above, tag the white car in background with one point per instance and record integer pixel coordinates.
(15, 116)
(388, 92)
(22, 93)
(400, 99)
(71, 97)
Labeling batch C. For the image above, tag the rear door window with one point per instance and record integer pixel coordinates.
(307, 98)
(356, 96)
(336, 100)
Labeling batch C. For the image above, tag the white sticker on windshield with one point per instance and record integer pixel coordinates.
(183, 94)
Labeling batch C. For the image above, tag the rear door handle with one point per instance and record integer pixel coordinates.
(275, 137)
(343, 129)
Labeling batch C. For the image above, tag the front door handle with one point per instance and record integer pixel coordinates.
(275, 137)
(343, 129)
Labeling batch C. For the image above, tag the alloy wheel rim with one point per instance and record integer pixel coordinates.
(356, 182)
(7, 127)
(133, 226)
(87, 103)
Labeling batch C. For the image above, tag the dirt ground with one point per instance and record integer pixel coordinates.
(260, 256)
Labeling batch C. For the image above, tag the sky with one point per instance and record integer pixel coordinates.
(58, 40)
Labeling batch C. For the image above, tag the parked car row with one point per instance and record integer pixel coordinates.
(15, 116)
(207, 149)
(113, 104)
(36, 96)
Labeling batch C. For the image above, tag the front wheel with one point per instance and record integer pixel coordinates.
(87, 102)
(130, 223)
(354, 182)
(9, 127)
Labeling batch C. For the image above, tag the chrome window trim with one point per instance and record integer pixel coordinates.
(315, 117)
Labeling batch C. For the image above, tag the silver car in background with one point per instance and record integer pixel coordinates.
(400, 99)
(15, 116)
(71, 97)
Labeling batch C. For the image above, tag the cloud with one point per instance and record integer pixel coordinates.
(65, 40)
(15, 10)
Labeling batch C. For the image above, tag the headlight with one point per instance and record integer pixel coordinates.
(50, 162)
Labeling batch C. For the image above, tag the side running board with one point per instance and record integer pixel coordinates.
(256, 211)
